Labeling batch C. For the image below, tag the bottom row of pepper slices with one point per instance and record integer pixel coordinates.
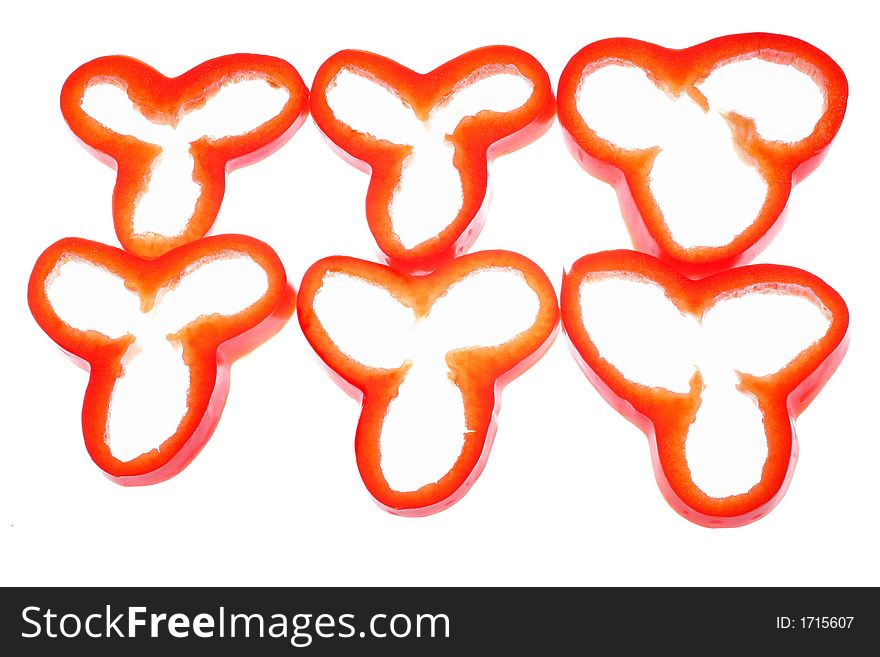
(211, 339)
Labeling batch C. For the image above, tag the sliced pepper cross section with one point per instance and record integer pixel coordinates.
(430, 395)
(402, 126)
(733, 382)
(753, 155)
(173, 140)
(157, 333)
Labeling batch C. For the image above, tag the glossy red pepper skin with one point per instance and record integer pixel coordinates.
(166, 100)
(477, 140)
(210, 344)
(678, 72)
(665, 416)
(480, 372)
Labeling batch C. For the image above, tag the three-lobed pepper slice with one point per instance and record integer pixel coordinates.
(205, 342)
(667, 416)
(167, 101)
(476, 139)
(678, 73)
(478, 370)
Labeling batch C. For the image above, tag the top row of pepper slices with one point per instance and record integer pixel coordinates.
(475, 138)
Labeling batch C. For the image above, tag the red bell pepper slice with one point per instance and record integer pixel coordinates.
(164, 101)
(667, 417)
(679, 72)
(477, 370)
(209, 342)
(476, 139)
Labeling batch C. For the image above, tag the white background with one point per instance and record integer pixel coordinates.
(568, 496)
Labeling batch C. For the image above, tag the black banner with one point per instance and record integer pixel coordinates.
(342, 621)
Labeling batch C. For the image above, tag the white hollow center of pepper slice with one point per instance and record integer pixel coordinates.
(150, 399)
(424, 428)
(171, 192)
(707, 189)
(429, 195)
(643, 335)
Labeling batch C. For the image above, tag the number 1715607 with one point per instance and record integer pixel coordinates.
(814, 622)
